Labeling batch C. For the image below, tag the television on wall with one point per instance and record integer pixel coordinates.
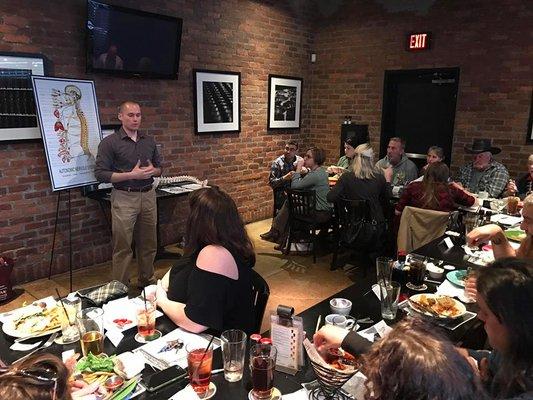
(131, 42)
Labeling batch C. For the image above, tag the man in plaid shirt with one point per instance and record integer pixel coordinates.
(484, 174)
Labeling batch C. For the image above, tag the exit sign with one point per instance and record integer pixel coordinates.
(418, 41)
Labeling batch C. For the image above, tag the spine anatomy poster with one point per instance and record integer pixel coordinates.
(70, 127)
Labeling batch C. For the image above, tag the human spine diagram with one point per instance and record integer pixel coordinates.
(71, 124)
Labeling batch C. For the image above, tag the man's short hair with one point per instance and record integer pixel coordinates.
(399, 140)
(293, 143)
(122, 105)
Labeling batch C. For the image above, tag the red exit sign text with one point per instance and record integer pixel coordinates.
(418, 41)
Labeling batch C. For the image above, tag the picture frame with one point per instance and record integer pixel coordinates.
(284, 102)
(18, 118)
(70, 127)
(217, 101)
(529, 134)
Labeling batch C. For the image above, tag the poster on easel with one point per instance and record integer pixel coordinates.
(70, 128)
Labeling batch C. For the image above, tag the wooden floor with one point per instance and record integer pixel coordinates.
(294, 280)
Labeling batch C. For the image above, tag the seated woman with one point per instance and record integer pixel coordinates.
(40, 376)
(434, 192)
(434, 154)
(500, 244)
(412, 362)
(363, 182)
(345, 162)
(504, 296)
(315, 179)
(523, 185)
(210, 287)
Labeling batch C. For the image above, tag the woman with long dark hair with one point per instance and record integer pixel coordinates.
(504, 297)
(210, 287)
(39, 377)
(434, 192)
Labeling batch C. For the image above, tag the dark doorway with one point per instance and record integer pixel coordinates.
(419, 105)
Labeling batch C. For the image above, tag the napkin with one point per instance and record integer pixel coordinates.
(130, 364)
(186, 393)
(447, 288)
(23, 346)
(381, 329)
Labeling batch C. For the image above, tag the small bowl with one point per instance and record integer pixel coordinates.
(340, 306)
(434, 271)
(449, 268)
(113, 382)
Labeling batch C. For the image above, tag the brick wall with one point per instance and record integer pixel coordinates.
(255, 38)
(490, 42)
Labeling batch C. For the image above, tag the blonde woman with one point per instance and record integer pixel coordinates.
(363, 182)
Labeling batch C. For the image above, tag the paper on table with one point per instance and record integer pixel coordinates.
(380, 329)
(298, 395)
(356, 386)
(123, 308)
(114, 335)
(174, 357)
(24, 347)
(187, 393)
(505, 219)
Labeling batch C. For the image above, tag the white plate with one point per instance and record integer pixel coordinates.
(9, 324)
(460, 306)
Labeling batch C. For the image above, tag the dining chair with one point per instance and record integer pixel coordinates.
(419, 226)
(260, 293)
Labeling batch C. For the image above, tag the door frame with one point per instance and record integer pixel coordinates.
(390, 74)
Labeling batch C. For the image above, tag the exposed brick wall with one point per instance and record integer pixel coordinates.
(491, 42)
(255, 38)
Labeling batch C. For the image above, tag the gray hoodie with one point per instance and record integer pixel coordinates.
(402, 173)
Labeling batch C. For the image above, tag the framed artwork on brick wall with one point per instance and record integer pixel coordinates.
(529, 138)
(284, 102)
(18, 118)
(70, 128)
(217, 101)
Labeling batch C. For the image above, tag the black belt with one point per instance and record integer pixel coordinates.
(135, 189)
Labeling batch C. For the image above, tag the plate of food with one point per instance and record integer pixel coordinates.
(34, 321)
(516, 235)
(437, 306)
(457, 277)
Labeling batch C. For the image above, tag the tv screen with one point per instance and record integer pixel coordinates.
(131, 42)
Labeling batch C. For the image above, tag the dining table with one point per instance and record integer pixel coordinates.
(365, 306)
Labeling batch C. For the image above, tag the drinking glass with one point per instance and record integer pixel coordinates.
(262, 364)
(471, 221)
(91, 326)
(199, 361)
(416, 274)
(233, 352)
(146, 318)
(384, 269)
(69, 328)
(389, 299)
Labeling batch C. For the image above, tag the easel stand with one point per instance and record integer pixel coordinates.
(69, 238)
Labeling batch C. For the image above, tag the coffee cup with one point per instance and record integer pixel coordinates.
(340, 306)
(343, 321)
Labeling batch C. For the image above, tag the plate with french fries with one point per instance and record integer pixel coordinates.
(34, 321)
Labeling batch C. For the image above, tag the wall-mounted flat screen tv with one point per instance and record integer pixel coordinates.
(132, 42)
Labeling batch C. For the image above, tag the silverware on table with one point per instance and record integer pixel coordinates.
(44, 346)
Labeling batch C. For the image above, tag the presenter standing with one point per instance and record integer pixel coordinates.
(129, 160)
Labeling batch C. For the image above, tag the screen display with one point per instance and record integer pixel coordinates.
(126, 41)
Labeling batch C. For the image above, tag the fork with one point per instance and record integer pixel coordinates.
(44, 346)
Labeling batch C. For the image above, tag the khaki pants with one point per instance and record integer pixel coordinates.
(134, 215)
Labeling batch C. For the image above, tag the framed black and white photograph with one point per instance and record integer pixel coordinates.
(70, 128)
(284, 102)
(217, 101)
(18, 118)
(529, 138)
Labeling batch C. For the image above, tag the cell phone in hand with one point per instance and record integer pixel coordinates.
(162, 378)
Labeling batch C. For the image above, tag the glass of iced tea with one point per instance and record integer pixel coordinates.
(199, 361)
(416, 274)
(146, 309)
(262, 365)
(91, 325)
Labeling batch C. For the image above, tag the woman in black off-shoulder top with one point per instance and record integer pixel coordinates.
(210, 288)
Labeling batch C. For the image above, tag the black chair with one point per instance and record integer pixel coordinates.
(348, 213)
(279, 196)
(302, 217)
(260, 293)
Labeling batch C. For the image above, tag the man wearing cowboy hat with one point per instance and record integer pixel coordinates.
(483, 174)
